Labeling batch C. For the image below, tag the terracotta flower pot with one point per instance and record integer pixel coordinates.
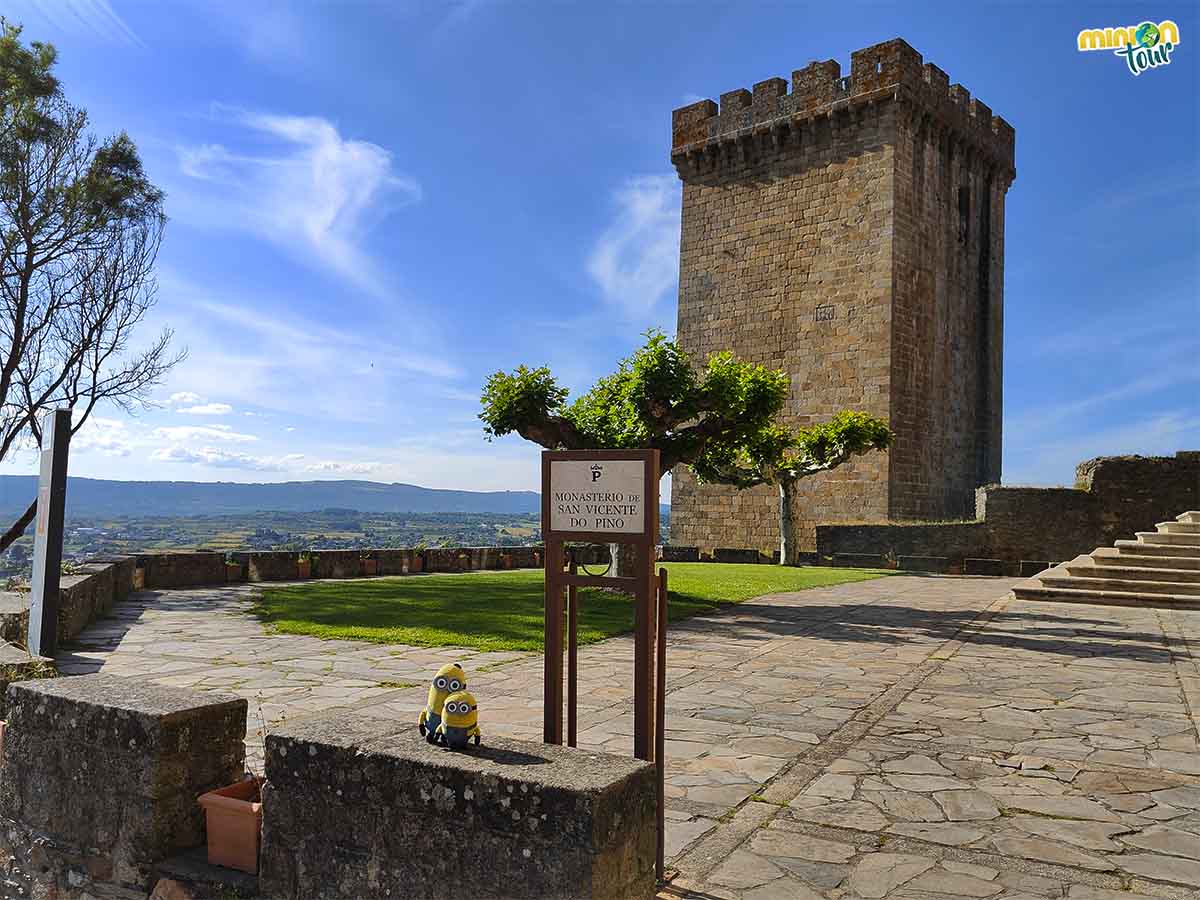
(303, 569)
(234, 824)
(370, 566)
(233, 572)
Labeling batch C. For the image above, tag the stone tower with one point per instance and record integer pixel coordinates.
(850, 232)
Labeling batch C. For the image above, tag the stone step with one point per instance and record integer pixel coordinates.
(1178, 527)
(1139, 548)
(1034, 590)
(1077, 583)
(1192, 515)
(1162, 537)
(1114, 556)
(1091, 569)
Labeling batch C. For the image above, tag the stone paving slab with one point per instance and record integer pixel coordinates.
(908, 737)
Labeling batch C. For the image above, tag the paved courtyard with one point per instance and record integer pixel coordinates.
(908, 737)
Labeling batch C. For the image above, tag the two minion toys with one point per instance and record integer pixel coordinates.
(451, 714)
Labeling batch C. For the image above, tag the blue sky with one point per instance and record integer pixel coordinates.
(373, 206)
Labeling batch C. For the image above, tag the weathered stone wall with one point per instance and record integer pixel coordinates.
(1135, 492)
(1114, 498)
(356, 806)
(89, 591)
(811, 241)
(176, 568)
(99, 781)
(947, 317)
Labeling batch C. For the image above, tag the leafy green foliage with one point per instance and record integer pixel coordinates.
(777, 454)
(80, 228)
(655, 399)
(25, 75)
(524, 396)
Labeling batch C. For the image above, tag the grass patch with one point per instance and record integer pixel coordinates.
(503, 610)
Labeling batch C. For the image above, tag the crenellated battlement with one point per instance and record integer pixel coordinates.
(889, 71)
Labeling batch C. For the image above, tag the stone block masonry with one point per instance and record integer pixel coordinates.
(356, 807)
(1114, 497)
(851, 233)
(100, 778)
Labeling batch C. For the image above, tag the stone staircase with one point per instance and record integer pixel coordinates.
(1159, 569)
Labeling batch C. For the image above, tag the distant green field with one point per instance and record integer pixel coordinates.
(503, 610)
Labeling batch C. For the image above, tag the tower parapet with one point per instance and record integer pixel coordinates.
(770, 116)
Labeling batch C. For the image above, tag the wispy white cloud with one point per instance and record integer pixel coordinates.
(95, 18)
(635, 261)
(1039, 419)
(206, 409)
(282, 362)
(345, 468)
(202, 432)
(221, 458)
(1162, 434)
(311, 191)
(269, 31)
(110, 437)
(185, 397)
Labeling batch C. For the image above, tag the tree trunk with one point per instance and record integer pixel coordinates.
(624, 560)
(18, 527)
(789, 544)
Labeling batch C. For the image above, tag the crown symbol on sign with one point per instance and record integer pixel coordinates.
(597, 468)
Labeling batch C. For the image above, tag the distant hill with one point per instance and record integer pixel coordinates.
(97, 497)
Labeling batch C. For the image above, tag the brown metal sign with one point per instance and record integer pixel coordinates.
(602, 496)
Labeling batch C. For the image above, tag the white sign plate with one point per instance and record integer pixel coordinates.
(606, 496)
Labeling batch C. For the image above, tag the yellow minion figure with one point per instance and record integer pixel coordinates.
(449, 679)
(460, 721)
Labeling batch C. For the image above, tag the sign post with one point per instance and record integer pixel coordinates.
(48, 534)
(604, 497)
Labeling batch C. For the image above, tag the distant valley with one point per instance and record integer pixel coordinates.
(90, 497)
(106, 517)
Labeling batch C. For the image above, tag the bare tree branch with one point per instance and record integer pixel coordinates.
(80, 230)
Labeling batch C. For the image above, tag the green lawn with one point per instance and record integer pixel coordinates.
(503, 610)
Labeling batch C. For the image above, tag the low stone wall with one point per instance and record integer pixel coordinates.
(1114, 497)
(89, 591)
(356, 806)
(173, 568)
(99, 781)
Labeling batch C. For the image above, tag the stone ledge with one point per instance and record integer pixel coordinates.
(542, 820)
(16, 665)
(127, 759)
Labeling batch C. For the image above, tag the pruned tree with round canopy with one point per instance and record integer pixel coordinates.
(781, 456)
(80, 228)
(719, 419)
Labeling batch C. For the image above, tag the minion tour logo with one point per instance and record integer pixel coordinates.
(1145, 46)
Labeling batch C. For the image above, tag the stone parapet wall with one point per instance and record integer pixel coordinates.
(99, 781)
(90, 590)
(357, 806)
(1114, 497)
